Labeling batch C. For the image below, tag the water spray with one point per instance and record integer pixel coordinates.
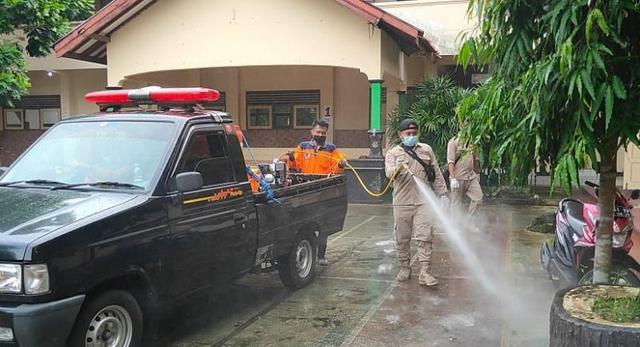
(454, 235)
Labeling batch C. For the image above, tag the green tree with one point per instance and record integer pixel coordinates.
(433, 109)
(564, 91)
(41, 23)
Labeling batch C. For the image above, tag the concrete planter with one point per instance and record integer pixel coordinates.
(372, 173)
(573, 322)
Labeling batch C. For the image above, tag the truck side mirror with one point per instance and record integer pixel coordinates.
(635, 194)
(188, 181)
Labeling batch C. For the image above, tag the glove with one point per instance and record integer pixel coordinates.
(342, 163)
(454, 184)
(445, 201)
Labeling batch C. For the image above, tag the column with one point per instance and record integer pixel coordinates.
(375, 119)
(375, 116)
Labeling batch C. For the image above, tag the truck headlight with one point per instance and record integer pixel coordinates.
(36, 279)
(10, 278)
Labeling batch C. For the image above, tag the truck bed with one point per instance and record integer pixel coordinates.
(319, 206)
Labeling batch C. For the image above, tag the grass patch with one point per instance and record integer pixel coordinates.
(620, 310)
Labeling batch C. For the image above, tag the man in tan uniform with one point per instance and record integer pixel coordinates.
(411, 211)
(463, 165)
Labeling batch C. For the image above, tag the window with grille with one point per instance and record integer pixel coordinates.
(33, 112)
(282, 109)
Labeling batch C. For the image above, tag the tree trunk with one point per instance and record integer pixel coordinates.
(606, 197)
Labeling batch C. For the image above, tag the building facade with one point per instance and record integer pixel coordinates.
(279, 64)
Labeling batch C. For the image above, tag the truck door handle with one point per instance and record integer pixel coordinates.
(238, 218)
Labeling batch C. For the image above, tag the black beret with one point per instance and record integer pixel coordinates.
(408, 124)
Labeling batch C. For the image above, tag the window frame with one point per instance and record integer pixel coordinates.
(13, 127)
(39, 121)
(59, 117)
(295, 115)
(186, 146)
(252, 107)
(23, 112)
(275, 114)
(289, 98)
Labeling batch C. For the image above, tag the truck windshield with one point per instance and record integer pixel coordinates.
(126, 153)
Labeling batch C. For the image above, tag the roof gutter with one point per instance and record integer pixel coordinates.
(97, 22)
(378, 17)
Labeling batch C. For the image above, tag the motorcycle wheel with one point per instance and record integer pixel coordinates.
(619, 276)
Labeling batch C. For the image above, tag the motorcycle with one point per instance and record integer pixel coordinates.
(569, 258)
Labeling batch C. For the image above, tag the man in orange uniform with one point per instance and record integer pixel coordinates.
(316, 156)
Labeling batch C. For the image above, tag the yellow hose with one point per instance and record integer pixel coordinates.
(364, 186)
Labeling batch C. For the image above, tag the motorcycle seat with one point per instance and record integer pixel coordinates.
(572, 210)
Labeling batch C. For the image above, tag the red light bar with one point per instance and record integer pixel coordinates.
(179, 95)
(153, 95)
(115, 97)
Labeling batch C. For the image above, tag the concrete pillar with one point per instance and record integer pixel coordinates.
(375, 114)
(232, 93)
(66, 88)
(326, 100)
(242, 100)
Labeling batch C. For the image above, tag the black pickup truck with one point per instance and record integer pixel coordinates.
(109, 219)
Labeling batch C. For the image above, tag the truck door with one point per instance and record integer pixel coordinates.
(213, 229)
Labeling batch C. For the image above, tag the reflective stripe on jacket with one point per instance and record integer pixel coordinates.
(309, 159)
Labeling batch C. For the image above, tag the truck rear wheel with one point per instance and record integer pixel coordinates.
(297, 269)
(112, 319)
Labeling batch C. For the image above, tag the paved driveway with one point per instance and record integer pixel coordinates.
(355, 301)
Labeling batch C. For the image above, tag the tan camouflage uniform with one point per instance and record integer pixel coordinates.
(410, 208)
(465, 174)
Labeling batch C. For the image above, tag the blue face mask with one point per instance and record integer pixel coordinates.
(410, 141)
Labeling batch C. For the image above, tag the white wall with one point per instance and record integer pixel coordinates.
(229, 33)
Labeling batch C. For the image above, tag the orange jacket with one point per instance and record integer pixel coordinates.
(321, 161)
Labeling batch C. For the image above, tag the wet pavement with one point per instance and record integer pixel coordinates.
(355, 301)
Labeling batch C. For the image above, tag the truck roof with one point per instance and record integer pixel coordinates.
(175, 116)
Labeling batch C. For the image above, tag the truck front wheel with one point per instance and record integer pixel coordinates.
(297, 269)
(112, 319)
